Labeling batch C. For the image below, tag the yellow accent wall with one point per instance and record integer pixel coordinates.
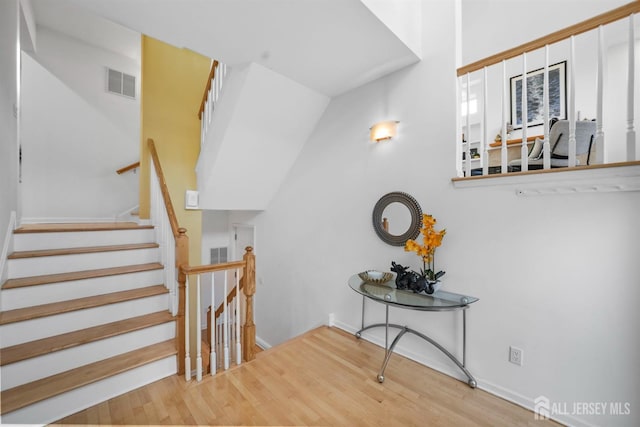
(173, 82)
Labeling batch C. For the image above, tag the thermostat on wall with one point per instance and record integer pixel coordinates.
(191, 199)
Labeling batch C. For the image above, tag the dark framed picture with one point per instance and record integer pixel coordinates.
(535, 88)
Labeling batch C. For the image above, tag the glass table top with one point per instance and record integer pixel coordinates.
(388, 294)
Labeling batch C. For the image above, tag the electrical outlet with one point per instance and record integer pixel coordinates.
(515, 355)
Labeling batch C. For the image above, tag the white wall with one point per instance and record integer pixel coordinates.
(556, 275)
(8, 122)
(75, 134)
(498, 25)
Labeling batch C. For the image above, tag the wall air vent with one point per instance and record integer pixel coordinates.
(121, 83)
(218, 255)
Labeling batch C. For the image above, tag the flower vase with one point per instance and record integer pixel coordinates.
(433, 286)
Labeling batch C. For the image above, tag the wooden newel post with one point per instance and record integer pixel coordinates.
(249, 329)
(182, 259)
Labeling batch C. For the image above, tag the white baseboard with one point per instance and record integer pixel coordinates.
(501, 392)
(7, 246)
(262, 343)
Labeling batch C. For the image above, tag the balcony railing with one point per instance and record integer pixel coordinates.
(584, 72)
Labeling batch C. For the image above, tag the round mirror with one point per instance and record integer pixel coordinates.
(397, 217)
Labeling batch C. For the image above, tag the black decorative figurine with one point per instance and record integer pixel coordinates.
(404, 279)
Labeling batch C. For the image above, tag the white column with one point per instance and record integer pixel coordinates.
(524, 149)
(198, 332)
(600, 148)
(546, 147)
(631, 133)
(572, 102)
(503, 149)
(187, 357)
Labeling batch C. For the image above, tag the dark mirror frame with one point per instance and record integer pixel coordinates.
(414, 210)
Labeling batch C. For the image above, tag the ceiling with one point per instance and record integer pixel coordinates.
(330, 46)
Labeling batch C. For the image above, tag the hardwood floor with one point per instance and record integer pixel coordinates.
(324, 377)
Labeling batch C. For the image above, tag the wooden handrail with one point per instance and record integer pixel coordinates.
(173, 220)
(230, 298)
(212, 74)
(579, 28)
(208, 268)
(128, 168)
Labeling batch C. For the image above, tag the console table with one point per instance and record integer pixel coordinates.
(387, 294)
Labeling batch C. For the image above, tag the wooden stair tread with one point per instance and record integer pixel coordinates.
(64, 227)
(78, 275)
(36, 391)
(36, 348)
(82, 250)
(50, 309)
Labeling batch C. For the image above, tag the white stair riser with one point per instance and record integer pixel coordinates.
(65, 404)
(46, 365)
(79, 239)
(38, 266)
(54, 292)
(34, 329)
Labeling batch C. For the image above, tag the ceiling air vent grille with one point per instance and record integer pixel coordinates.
(121, 83)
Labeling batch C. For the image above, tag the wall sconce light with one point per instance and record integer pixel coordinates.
(384, 130)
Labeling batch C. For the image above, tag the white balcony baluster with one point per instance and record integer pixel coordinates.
(503, 148)
(484, 140)
(546, 147)
(600, 148)
(524, 152)
(572, 102)
(631, 133)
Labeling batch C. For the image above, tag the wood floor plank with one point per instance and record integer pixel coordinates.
(26, 394)
(31, 349)
(27, 313)
(327, 377)
(72, 227)
(79, 275)
(82, 250)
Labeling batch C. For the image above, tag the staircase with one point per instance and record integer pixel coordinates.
(84, 317)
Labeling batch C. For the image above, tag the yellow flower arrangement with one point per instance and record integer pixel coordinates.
(431, 239)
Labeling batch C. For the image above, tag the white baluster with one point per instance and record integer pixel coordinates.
(484, 141)
(212, 338)
(212, 102)
(631, 133)
(546, 146)
(459, 125)
(237, 319)
(225, 322)
(572, 102)
(187, 357)
(503, 148)
(524, 152)
(198, 332)
(600, 148)
(467, 150)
